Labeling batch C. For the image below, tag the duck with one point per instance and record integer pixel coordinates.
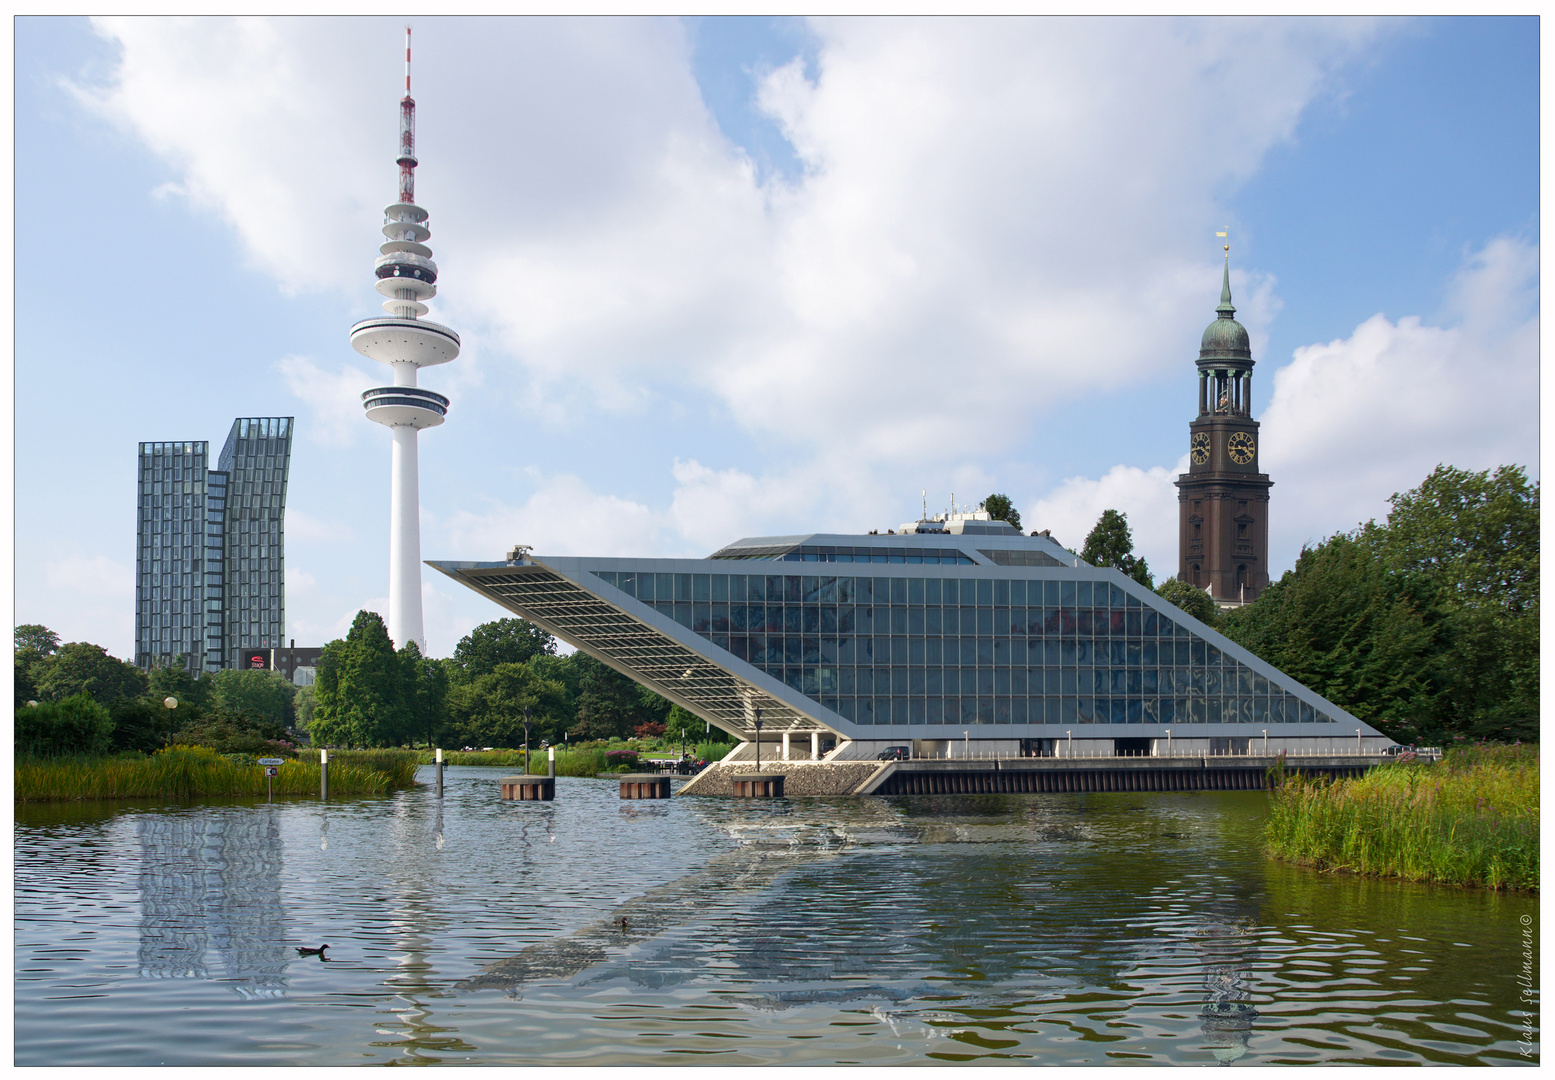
(623, 924)
(318, 952)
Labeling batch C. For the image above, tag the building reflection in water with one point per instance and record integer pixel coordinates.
(210, 893)
(1226, 950)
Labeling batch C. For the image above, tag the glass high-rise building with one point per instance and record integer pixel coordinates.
(959, 630)
(210, 555)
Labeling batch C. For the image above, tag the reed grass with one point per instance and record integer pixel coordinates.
(190, 772)
(1472, 819)
(586, 762)
(398, 765)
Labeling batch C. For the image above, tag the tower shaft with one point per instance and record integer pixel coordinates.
(403, 340)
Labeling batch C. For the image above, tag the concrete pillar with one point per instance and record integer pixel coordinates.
(815, 746)
(785, 746)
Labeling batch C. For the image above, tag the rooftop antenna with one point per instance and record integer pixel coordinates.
(925, 504)
(407, 155)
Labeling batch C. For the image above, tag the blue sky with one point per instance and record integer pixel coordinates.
(723, 277)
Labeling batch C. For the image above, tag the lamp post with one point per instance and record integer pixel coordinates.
(1070, 733)
(758, 738)
(171, 703)
(966, 744)
(1168, 742)
(526, 740)
(1265, 742)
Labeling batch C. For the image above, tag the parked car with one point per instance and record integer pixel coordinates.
(894, 753)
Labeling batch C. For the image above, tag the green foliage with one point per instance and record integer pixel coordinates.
(139, 724)
(1111, 543)
(76, 725)
(23, 686)
(712, 751)
(398, 765)
(37, 640)
(360, 688)
(189, 772)
(1426, 625)
(608, 702)
(490, 710)
(426, 691)
(1000, 508)
(84, 668)
(233, 733)
(303, 705)
(1473, 819)
(1191, 599)
(504, 641)
(265, 694)
(195, 696)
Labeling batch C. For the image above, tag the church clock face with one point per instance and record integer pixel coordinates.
(1199, 447)
(1241, 447)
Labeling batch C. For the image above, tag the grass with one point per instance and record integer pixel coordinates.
(1472, 819)
(192, 772)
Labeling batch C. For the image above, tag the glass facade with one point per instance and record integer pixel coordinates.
(965, 651)
(170, 555)
(257, 461)
(210, 547)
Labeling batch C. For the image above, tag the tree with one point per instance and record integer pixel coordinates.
(608, 702)
(264, 694)
(35, 639)
(74, 725)
(83, 668)
(1425, 625)
(303, 705)
(196, 696)
(1000, 508)
(427, 681)
(1191, 599)
(138, 724)
(360, 687)
(504, 641)
(490, 710)
(1111, 543)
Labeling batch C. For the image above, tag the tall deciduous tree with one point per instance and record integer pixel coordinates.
(1111, 543)
(84, 668)
(266, 695)
(1427, 624)
(1000, 508)
(503, 641)
(360, 687)
(1191, 599)
(489, 711)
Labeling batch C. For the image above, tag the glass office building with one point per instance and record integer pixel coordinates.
(210, 558)
(972, 633)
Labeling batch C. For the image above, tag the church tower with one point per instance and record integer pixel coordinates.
(1223, 500)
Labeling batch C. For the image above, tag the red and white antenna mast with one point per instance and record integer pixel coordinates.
(407, 158)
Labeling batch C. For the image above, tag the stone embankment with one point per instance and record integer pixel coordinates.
(799, 777)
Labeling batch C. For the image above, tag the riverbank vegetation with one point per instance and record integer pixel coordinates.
(192, 772)
(1425, 625)
(369, 694)
(1471, 819)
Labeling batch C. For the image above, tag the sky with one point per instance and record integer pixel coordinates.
(726, 277)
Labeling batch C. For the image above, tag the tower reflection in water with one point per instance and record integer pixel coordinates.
(210, 895)
(1226, 949)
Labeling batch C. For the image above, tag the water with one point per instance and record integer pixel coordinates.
(1050, 929)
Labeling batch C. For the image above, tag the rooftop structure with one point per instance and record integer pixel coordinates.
(1005, 642)
(405, 341)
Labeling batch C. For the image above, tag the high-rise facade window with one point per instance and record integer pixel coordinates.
(210, 561)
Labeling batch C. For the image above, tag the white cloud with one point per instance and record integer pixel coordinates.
(1355, 420)
(1145, 496)
(334, 397)
(100, 607)
(305, 527)
(970, 229)
(563, 516)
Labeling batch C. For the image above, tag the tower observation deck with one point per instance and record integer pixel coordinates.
(403, 339)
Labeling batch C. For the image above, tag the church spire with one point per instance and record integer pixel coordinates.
(1226, 310)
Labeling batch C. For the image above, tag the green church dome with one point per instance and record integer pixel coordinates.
(1225, 338)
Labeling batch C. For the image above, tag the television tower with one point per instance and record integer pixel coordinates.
(405, 341)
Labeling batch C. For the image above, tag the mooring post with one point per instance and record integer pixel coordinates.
(440, 772)
(323, 773)
(551, 764)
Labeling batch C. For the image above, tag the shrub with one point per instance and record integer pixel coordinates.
(77, 725)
